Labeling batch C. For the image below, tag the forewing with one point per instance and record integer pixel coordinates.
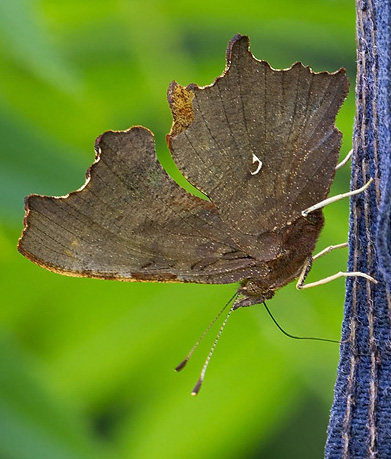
(131, 221)
(283, 117)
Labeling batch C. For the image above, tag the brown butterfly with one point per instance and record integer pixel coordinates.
(260, 143)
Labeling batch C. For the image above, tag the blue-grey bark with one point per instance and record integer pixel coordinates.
(360, 422)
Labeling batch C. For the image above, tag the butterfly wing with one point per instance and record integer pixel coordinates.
(131, 221)
(282, 118)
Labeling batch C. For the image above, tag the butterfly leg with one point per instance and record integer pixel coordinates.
(345, 160)
(338, 197)
(307, 267)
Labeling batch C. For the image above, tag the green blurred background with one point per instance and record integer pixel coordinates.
(86, 366)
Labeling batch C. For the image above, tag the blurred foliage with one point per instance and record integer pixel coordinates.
(87, 365)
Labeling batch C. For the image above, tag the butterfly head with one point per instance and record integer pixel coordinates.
(252, 291)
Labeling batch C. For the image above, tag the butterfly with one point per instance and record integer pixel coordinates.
(259, 143)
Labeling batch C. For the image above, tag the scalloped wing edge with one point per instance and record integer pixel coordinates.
(136, 277)
(180, 97)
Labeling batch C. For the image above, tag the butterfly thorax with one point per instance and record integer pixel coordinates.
(298, 239)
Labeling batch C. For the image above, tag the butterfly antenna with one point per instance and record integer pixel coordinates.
(197, 387)
(297, 337)
(184, 362)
